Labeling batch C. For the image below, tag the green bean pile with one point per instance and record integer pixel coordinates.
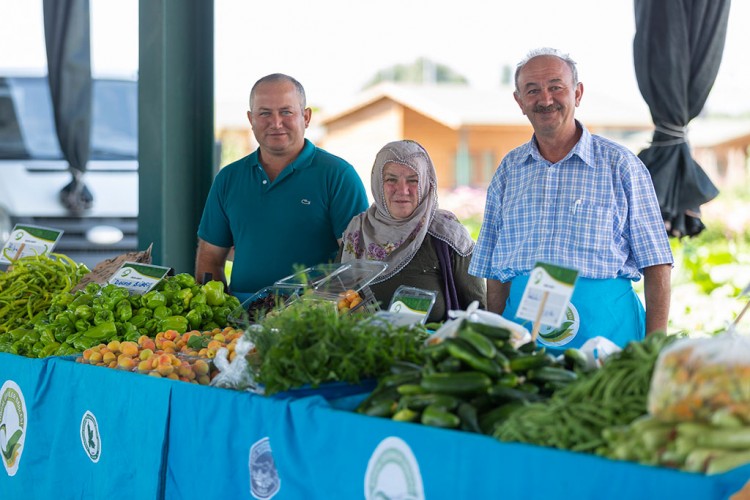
(575, 416)
(27, 287)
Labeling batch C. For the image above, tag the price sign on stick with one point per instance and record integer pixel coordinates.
(29, 240)
(138, 278)
(547, 295)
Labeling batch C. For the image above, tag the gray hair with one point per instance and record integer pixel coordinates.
(547, 51)
(279, 77)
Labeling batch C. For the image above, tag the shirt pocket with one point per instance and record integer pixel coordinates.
(587, 227)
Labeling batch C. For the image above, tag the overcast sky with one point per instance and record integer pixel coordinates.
(335, 46)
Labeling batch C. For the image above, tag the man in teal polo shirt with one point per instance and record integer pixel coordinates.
(286, 203)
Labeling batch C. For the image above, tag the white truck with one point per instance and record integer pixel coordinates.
(33, 170)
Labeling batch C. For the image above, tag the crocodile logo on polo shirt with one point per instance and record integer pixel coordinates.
(12, 425)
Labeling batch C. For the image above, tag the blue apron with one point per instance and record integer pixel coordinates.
(598, 308)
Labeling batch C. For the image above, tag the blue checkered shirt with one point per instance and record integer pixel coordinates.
(595, 211)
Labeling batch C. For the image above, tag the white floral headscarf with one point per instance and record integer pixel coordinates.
(376, 235)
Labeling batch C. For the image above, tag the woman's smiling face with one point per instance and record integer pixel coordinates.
(401, 190)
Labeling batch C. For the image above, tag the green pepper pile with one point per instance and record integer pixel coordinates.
(98, 314)
(27, 289)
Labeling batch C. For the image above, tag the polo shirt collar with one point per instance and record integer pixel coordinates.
(303, 160)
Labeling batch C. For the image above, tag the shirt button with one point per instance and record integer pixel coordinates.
(552, 170)
(265, 181)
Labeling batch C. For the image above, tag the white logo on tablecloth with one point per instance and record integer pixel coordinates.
(12, 425)
(90, 438)
(563, 334)
(264, 478)
(393, 472)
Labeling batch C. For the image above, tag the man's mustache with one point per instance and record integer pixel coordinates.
(547, 109)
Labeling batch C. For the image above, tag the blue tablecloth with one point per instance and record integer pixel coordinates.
(100, 433)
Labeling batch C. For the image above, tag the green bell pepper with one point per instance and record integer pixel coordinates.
(177, 323)
(123, 310)
(214, 293)
(162, 312)
(154, 299)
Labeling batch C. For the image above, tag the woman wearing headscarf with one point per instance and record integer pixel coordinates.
(425, 247)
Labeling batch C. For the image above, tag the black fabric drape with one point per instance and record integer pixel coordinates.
(677, 52)
(68, 39)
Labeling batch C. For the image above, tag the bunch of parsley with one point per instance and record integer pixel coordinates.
(309, 343)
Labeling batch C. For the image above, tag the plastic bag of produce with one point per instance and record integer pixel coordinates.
(696, 378)
(234, 374)
(519, 334)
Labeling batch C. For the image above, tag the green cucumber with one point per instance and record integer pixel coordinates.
(469, 382)
(474, 360)
(506, 393)
(526, 362)
(468, 415)
(482, 344)
(551, 374)
(575, 359)
(384, 408)
(491, 331)
(439, 417)
(450, 364)
(405, 415)
(489, 419)
(421, 401)
(407, 389)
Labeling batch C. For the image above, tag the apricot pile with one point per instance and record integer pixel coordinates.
(348, 300)
(185, 357)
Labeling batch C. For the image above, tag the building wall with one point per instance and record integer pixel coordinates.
(357, 137)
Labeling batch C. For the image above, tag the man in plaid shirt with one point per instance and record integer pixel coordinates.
(575, 200)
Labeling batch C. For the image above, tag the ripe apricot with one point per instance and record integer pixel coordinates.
(108, 357)
(128, 347)
(114, 345)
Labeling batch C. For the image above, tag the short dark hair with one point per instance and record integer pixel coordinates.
(547, 51)
(279, 77)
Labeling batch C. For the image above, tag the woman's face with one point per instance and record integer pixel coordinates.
(400, 186)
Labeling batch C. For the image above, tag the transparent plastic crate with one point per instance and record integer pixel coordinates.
(338, 282)
(260, 303)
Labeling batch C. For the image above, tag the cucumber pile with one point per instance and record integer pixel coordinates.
(472, 381)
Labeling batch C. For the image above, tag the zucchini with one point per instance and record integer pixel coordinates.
(450, 364)
(575, 359)
(436, 351)
(468, 382)
(439, 417)
(482, 344)
(484, 365)
(526, 362)
(406, 389)
(384, 408)
(551, 374)
(489, 419)
(468, 415)
(405, 415)
(491, 331)
(529, 347)
(421, 401)
(510, 394)
(397, 379)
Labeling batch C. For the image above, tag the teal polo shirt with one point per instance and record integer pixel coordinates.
(296, 219)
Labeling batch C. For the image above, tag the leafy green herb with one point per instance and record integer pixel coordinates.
(310, 343)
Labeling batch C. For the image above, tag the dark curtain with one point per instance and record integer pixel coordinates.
(68, 39)
(677, 52)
